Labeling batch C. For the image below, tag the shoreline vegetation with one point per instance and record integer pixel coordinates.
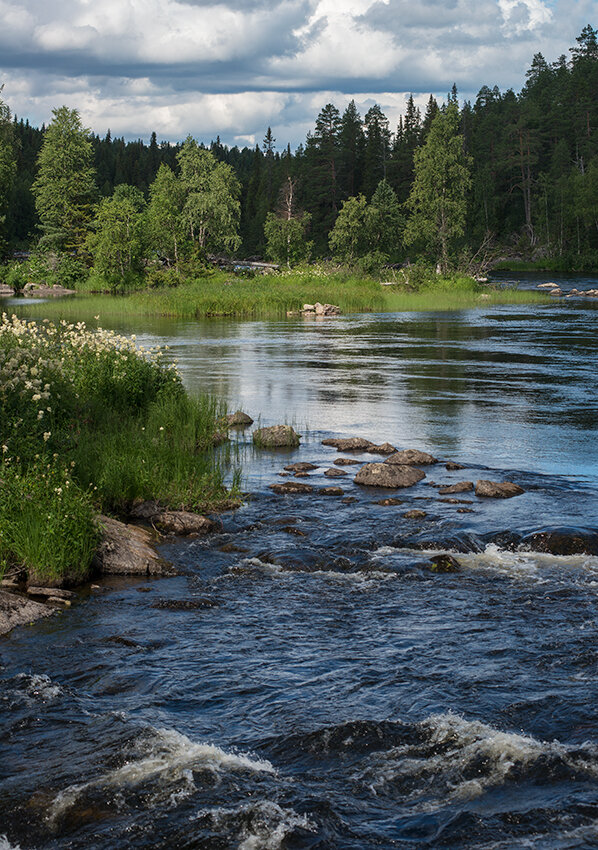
(218, 294)
(92, 424)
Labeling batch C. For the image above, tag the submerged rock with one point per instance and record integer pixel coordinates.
(331, 491)
(444, 563)
(411, 457)
(291, 487)
(348, 444)
(276, 436)
(452, 465)
(126, 550)
(19, 611)
(563, 541)
(346, 461)
(498, 489)
(415, 514)
(460, 487)
(185, 604)
(390, 501)
(390, 476)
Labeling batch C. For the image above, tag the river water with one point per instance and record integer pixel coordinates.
(330, 691)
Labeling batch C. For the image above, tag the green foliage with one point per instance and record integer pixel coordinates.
(385, 221)
(15, 276)
(348, 238)
(286, 239)
(8, 165)
(117, 243)
(88, 422)
(437, 200)
(65, 185)
(211, 209)
(165, 224)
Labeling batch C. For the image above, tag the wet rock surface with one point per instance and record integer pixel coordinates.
(276, 436)
(411, 457)
(19, 611)
(348, 444)
(460, 487)
(388, 475)
(497, 489)
(185, 522)
(303, 466)
(444, 563)
(291, 487)
(126, 550)
(563, 541)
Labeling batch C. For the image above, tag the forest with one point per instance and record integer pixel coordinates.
(522, 169)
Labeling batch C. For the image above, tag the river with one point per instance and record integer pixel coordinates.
(333, 692)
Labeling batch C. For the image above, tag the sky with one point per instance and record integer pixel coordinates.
(235, 67)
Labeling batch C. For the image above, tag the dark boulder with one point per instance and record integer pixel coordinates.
(349, 444)
(444, 563)
(238, 419)
(415, 514)
(301, 467)
(335, 473)
(291, 487)
(563, 541)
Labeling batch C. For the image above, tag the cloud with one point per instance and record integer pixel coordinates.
(236, 66)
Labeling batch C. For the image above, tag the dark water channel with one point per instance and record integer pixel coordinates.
(334, 693)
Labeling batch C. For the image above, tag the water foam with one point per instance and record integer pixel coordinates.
(353, 577)
(36, 687)
(6, 845)
(170, 756)
(464, 758)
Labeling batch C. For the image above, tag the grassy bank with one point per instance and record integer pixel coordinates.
(275, 295)
(89, 423)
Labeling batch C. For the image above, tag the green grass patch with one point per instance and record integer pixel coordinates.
(90, 423)
(276, 295)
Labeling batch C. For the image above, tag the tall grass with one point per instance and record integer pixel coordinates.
(88, 422)
(276, 295)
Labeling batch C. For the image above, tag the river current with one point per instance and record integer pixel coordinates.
(325, 689)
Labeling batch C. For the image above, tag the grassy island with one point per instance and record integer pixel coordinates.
(90, 423)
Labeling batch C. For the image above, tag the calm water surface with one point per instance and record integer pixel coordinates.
(335, 693)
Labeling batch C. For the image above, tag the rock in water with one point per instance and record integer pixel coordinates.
(335, 473)
(185, 522)
(302, 466)
(19, 611)
(444, 563)
(383, 449)
(497, 489)
(126, 550)
(276, 436)
(415, 514)
(452, 465)
(563, 541)
(411, 457)
(460, 487)
(388, 475)
(291, 487)
(238, 418)
(349, 444)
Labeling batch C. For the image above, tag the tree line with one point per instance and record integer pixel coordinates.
(520, 169)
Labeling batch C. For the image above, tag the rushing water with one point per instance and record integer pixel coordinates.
(331, 692)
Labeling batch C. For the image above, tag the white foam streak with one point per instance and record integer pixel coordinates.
(356, 577)
(38, 686)
(6, 845)
(171, 756)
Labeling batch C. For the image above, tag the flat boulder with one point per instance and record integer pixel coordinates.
(291, 487)
(452, 465)
(349, 444)
(302, 466)
(126, 550)
(411, 457)
(276, 437)
(335, 473)
(390, 476)
(345, 461)
(238, 418)
(497, 489)
(19, 611)
(185, 522)
(563, 541)
(459, 487)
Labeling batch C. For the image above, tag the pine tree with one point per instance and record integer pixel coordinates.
(65, 185)
(351, 143)
(8, 166)
(377, 148)
(438, 198)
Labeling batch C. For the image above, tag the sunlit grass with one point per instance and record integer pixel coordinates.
(272, 295)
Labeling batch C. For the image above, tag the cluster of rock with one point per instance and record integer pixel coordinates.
(554, 289)
(318, 309)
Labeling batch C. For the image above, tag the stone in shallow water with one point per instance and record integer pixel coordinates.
(346, 461)
(460, 487)
(497, 489)
(444, 563)
(302, 466)
(238, 418)
(331, 491)
(19, 611)
(276, 436)
(452, 465)
(390, 501)
(415, 514)
(389, 476)
(411, 457)
(291, 487)
(348, 444)
(383, 449)
(335, 473)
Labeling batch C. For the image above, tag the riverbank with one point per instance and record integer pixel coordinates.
(276, 295)
(91, 425)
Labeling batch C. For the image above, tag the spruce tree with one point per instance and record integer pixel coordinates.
(65, 185)
(8, 166)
